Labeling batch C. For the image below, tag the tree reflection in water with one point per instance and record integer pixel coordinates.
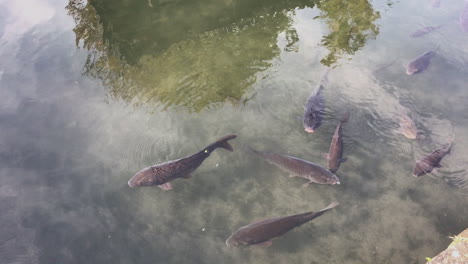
(198, 54)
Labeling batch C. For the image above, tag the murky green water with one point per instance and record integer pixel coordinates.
(93, 92)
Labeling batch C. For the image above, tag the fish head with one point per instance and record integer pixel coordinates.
(421, 168)
(411, 69)
(417, 172)
(235, 241)
(334, 180)
(407, 128)
(420, 63)
(311, 121)
(326, 179)
(142, 178)
(411, 134)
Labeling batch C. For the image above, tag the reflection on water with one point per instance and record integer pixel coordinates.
(351, 24)
(200, 54)
(215, 66)
(67, 150)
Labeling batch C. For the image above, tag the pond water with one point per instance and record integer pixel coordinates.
(92, 92)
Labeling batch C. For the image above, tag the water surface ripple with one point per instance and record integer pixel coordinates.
(92, 92)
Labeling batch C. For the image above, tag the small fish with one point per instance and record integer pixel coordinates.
(335, 153)
(464, 17)
(407, 126)
(420, 63)
(299, 167)
(261, 232)
(424, 31)
(163, 173)
(435, 3)
(431, 161)
(315, 106)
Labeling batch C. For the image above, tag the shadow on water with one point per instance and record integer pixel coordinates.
(202, 54)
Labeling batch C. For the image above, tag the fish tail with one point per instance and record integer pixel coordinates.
(449, 145)
(434, 51)
(222, 143)
(330, 206)
(314, 215)
(345, 117)
(323, 82)
(324, 79)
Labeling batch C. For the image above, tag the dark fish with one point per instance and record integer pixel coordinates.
(431, 161)
(464, 17)
(315, 106)
(262, 231)
(299, 167)
(420, 63)
(335, 153)
(424, 31)
(163, 173)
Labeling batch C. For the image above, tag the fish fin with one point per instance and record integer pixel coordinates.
(292, 175)
(166, 186)
(264, 244)
(305, 185)
(438, 165)
(187, 176)
(324, 77)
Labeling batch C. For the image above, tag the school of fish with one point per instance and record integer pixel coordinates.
(261, 232)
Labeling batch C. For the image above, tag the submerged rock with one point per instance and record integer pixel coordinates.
(456, 253)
